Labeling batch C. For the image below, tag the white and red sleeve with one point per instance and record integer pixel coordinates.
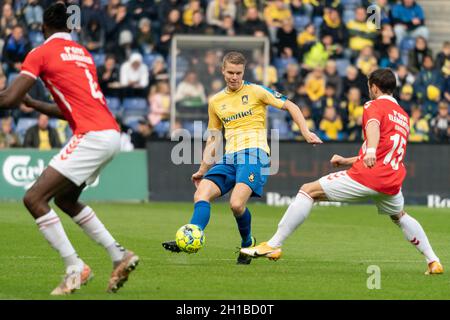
(33, 64)
(372, 113)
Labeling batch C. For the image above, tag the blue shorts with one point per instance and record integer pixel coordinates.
(249, 166)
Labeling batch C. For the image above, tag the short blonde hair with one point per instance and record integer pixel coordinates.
(234, 57)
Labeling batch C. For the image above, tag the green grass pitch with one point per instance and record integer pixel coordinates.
(327, 258)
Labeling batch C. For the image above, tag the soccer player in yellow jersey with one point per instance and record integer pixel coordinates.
(241, 110)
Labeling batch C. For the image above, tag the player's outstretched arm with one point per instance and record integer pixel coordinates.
(50, 109)
(340, 161)
(13, 95)
(299, 120)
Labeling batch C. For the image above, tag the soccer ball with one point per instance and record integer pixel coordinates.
(190, 238)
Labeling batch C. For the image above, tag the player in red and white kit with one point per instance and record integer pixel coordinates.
(377, 173)
(69, 72)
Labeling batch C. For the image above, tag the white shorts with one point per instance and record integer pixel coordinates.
(83, 157)
(340, 187)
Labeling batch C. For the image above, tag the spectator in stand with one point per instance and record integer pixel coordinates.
(332, 77)
(301, 96)
(172, 26)
(446, 89)
(354, 127)
(428, 83)
(416, 56)
(327, 101)
(306, 111)
(228, 27)
(15, 49)
(443, 57)
(190, 92)
(188, 12)
(116, 26)
(144, 132)
(109, 76)
(393, 59)
(258, 70)
(7, 21)
(159, 100)
(386, 39)
(360, 32)
(209, 70)
(315, 55)
(440, 125)
(331, 126)
(93, 36)
(287, 37)
(142, 9)
(89, 11)
(217, 10)
(332, 25)
(419, 129)
(307, 36)
(302, 12)
(134, 73)
(34, 15)
(41, 136)
(315, 86)
(8, 138)
(354, 106)
(144, 39)
(158, 71)
(354, 78)
(366, 60)
(198, 25)
(166, 7)
(275, 13)
(403, 76)
(290, 80)
(409, 20)
(252, 23)
(406, 100)
(385, 10)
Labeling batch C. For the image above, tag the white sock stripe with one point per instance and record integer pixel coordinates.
(82, 214)
(48, 223)
(47, 217)
(87, 218)
(46, 220)
(305, 194)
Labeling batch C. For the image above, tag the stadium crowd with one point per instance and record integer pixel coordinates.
(321, 52)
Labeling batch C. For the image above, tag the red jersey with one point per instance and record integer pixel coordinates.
(389, 172)
(69, 72)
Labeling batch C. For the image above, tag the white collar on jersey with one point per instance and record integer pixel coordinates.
(59, 35)
(390, 98)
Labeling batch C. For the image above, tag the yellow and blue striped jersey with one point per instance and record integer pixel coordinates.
(243, 115)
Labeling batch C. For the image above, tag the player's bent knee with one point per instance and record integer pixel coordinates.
(307, 188)
(237, 207)
(31, 200)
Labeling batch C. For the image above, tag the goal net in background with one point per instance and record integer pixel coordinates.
(195, 73)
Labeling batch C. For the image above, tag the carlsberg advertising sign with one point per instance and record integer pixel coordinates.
(124, 178)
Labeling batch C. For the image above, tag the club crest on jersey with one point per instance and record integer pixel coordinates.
(251, 177)
(277, 95)
(244, 99)
(222, 107)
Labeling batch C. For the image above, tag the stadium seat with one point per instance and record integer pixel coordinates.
(278, 121)
(99, 58)
(114, 105)
(22, 126)
(135, 107)
(341, 66)
(36, 38)
(132, 122)
(150, 58)
(162, 129)
(301, 21)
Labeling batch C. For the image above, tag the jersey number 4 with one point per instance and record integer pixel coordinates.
(96, 94)
(395, 156)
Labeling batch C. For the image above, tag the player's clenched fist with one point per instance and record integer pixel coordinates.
(370, 158)
(338, 161)
(196, 178)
